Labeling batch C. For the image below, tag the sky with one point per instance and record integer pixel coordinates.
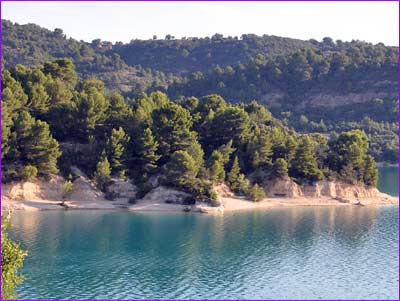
(122, 21)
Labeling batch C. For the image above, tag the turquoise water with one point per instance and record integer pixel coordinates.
(287, 253)
(306, 253)
(388, 180)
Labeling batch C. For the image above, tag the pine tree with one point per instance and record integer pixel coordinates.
(43, 151)
(13, 94)
(264, 152)
(280, 168)
(116, 145)
(103, 172)
(147, 151)
(304, 165)
(6, 124)
(370, 171)
(172, 129)
(257, 193)
(181, 170)
(226, 150)
(256, 160)
(90, 107)
(216, 166)
(118, 112)
(349, 150)
(237, 181)
(32, 144)
(233, 175)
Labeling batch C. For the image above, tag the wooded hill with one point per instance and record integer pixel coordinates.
(53, 121)
(325, 87)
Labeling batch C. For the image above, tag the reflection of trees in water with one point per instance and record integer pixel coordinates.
(166, 253)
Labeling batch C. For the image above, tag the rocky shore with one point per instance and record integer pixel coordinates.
(121, 194)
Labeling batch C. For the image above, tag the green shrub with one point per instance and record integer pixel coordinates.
(257, 193)
(28, 173)
(67, 189)
(12, 259)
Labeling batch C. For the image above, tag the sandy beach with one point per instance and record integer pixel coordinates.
(39, 195)
(228, 204)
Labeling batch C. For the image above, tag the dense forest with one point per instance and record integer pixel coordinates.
(324, 87)
(52, 121)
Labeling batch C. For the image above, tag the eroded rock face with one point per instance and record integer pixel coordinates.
(83, 190)
(223, 190)
(33, 190)
(167, 195)
(284, 188)
(334, 189)
(121, 191)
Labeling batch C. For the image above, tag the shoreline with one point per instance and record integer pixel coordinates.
(229, 204)
(39, 195)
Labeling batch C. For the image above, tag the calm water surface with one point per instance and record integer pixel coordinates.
(282, 253)
(306, 253)
(388, 180)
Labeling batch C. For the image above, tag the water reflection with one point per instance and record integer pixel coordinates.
(279, 253)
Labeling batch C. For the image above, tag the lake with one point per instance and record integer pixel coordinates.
(285, 253)
(388, 180)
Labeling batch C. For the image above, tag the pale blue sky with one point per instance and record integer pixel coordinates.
(122, 21)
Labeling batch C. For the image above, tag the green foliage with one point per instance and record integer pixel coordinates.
(349, 150)
(370, 171)
(63, 69)
(304, 167)
(226, 150)
(237, 181)
(171, 138)
(115, 149)
(280, 168)
(237, 69)
(181, 170)
(31, 143)
(147, 148)
(233, 175)
(91, 106)
(172, 129)
(66, 189)
(12, 259)
(102, 173)
(216, 166)
(256, 193)
(28, 173)
(233, 123)
(118, 112)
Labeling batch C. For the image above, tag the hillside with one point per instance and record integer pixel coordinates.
(327, 87)
(52, 122)
(32, 45)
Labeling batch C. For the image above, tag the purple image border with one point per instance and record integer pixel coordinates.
(398, 120)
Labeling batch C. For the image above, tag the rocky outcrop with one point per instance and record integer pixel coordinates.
(33, 190)
(223, 190)
(333, 189)
(121, 191)
(337, 189)
(45, 195)
(167, 195)
(83, 190)
(283, 188)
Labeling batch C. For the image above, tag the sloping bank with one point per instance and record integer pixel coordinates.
(40, 195)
